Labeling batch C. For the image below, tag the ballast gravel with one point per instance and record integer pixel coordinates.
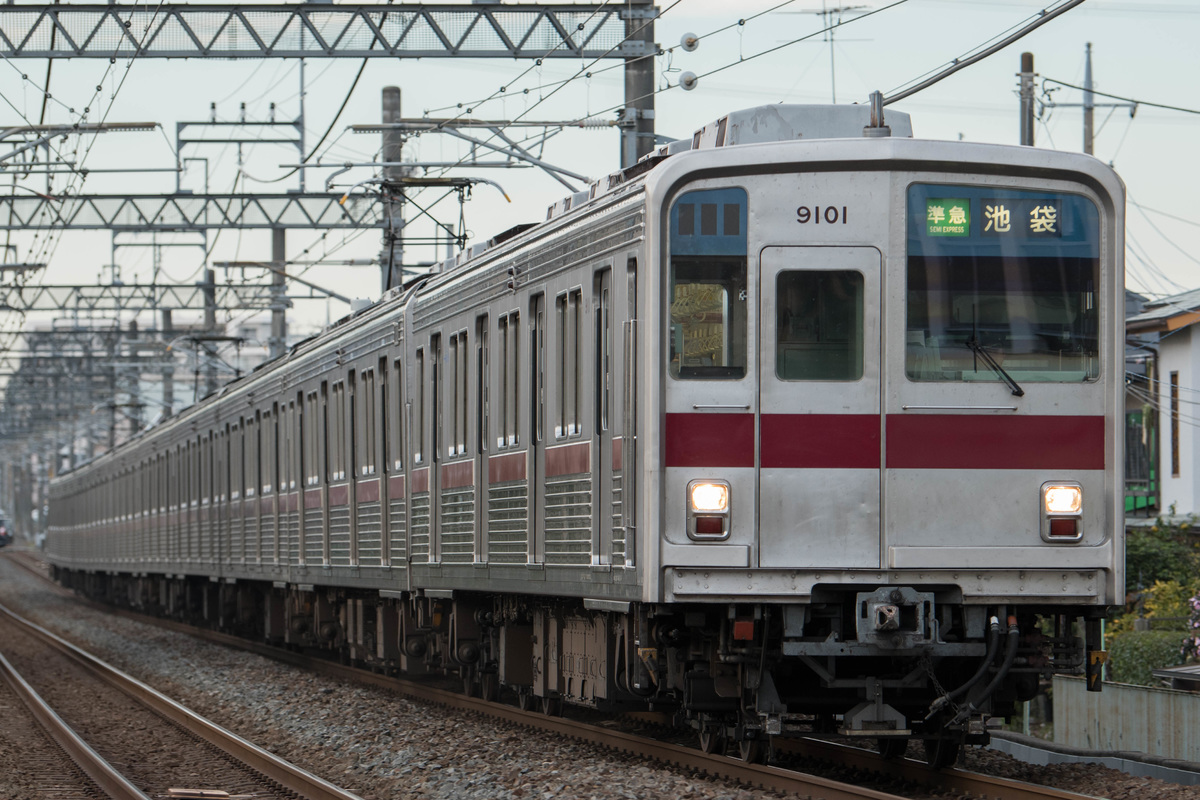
(382, 746)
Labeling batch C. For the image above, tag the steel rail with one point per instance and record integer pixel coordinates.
(106, 778)
(289, 776)
(955, 780)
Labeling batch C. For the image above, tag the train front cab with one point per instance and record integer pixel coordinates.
(887, 439)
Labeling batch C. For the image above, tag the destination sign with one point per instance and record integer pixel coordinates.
(993, 220)
(1035, 218)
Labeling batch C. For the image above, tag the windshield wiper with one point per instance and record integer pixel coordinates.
(978, 350)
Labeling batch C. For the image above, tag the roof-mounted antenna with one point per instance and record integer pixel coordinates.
(877, 128)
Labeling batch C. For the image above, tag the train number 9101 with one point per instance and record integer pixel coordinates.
(831, 215)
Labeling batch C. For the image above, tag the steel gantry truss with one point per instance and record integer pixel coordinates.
(187, 212)
(48, 400)
(313, 30)
(136, 297)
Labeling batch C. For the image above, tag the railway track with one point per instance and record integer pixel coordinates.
(864, 766)
(152, 748)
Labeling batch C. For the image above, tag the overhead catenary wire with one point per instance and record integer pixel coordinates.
(1133, 100)
(753, 56)
(961, 63)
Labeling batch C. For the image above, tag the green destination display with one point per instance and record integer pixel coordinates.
(948, 216)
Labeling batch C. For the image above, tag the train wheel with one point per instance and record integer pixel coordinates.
(525, 699)
(551, 706)
(942, 751)
(489, 686)
(753, 751)
(890, 747)
(712, 737)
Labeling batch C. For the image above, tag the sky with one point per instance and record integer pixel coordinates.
(1143, 51)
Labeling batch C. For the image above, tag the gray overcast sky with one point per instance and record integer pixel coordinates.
(1140, 50)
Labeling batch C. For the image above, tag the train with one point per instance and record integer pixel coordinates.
(801, 426)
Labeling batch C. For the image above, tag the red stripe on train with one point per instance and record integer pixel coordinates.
(917, 441)
(569, 459)
(458, 474)
(367, 491)
(820, 441)
(508, 467)
(951, 441)
(709, 440)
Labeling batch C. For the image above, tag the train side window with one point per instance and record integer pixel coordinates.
(569, 310)
(252, 453)
(337, 433)
(819, 326)
(235, 461)
(560, 384)
(396, 416)
(312, 476)
(289, 455)
(457, 435)
(602, 302)
(708, 289)
(509, 396)
(206, 453)
(269, 454)
(367, 422)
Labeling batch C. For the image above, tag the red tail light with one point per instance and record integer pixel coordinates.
(1061, 528)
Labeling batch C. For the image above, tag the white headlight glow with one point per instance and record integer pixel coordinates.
(1062, 499)
(710, 497)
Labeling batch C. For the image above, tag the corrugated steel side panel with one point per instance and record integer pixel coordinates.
(1162, 722)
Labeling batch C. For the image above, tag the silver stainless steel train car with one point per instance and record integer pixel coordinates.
(801, 424)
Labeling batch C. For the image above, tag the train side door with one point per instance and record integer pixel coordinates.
(435, 447)
(819, 401)
(602, 461)
(537, 437)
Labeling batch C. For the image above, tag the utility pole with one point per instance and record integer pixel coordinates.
(828, 15)
(168, 373)
(391, 259)
(277, 344)
(1026, 75)
(637, 118)
(1089, 104)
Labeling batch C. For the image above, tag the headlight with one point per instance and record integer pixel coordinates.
(1062, 499)
(1062, 512)
(709, 497)
(708, 510)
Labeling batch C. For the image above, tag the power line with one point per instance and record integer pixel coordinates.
(962, 63)
(757, 55)
(1125, 99)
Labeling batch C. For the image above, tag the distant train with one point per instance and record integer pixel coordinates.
(800, 425)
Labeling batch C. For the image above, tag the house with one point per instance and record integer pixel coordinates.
(1169, 389)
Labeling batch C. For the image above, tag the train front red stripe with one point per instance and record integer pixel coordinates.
(952, 441)
(820, 441)
(710, 440)
(914, 441)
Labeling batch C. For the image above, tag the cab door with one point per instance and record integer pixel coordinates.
(819, 407)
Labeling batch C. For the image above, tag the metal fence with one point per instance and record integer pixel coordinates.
(1162, 722)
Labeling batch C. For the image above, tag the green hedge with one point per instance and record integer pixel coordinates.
(1133, 655)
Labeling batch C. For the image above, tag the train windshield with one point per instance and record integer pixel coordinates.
(1009, 274)
(708, 285)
